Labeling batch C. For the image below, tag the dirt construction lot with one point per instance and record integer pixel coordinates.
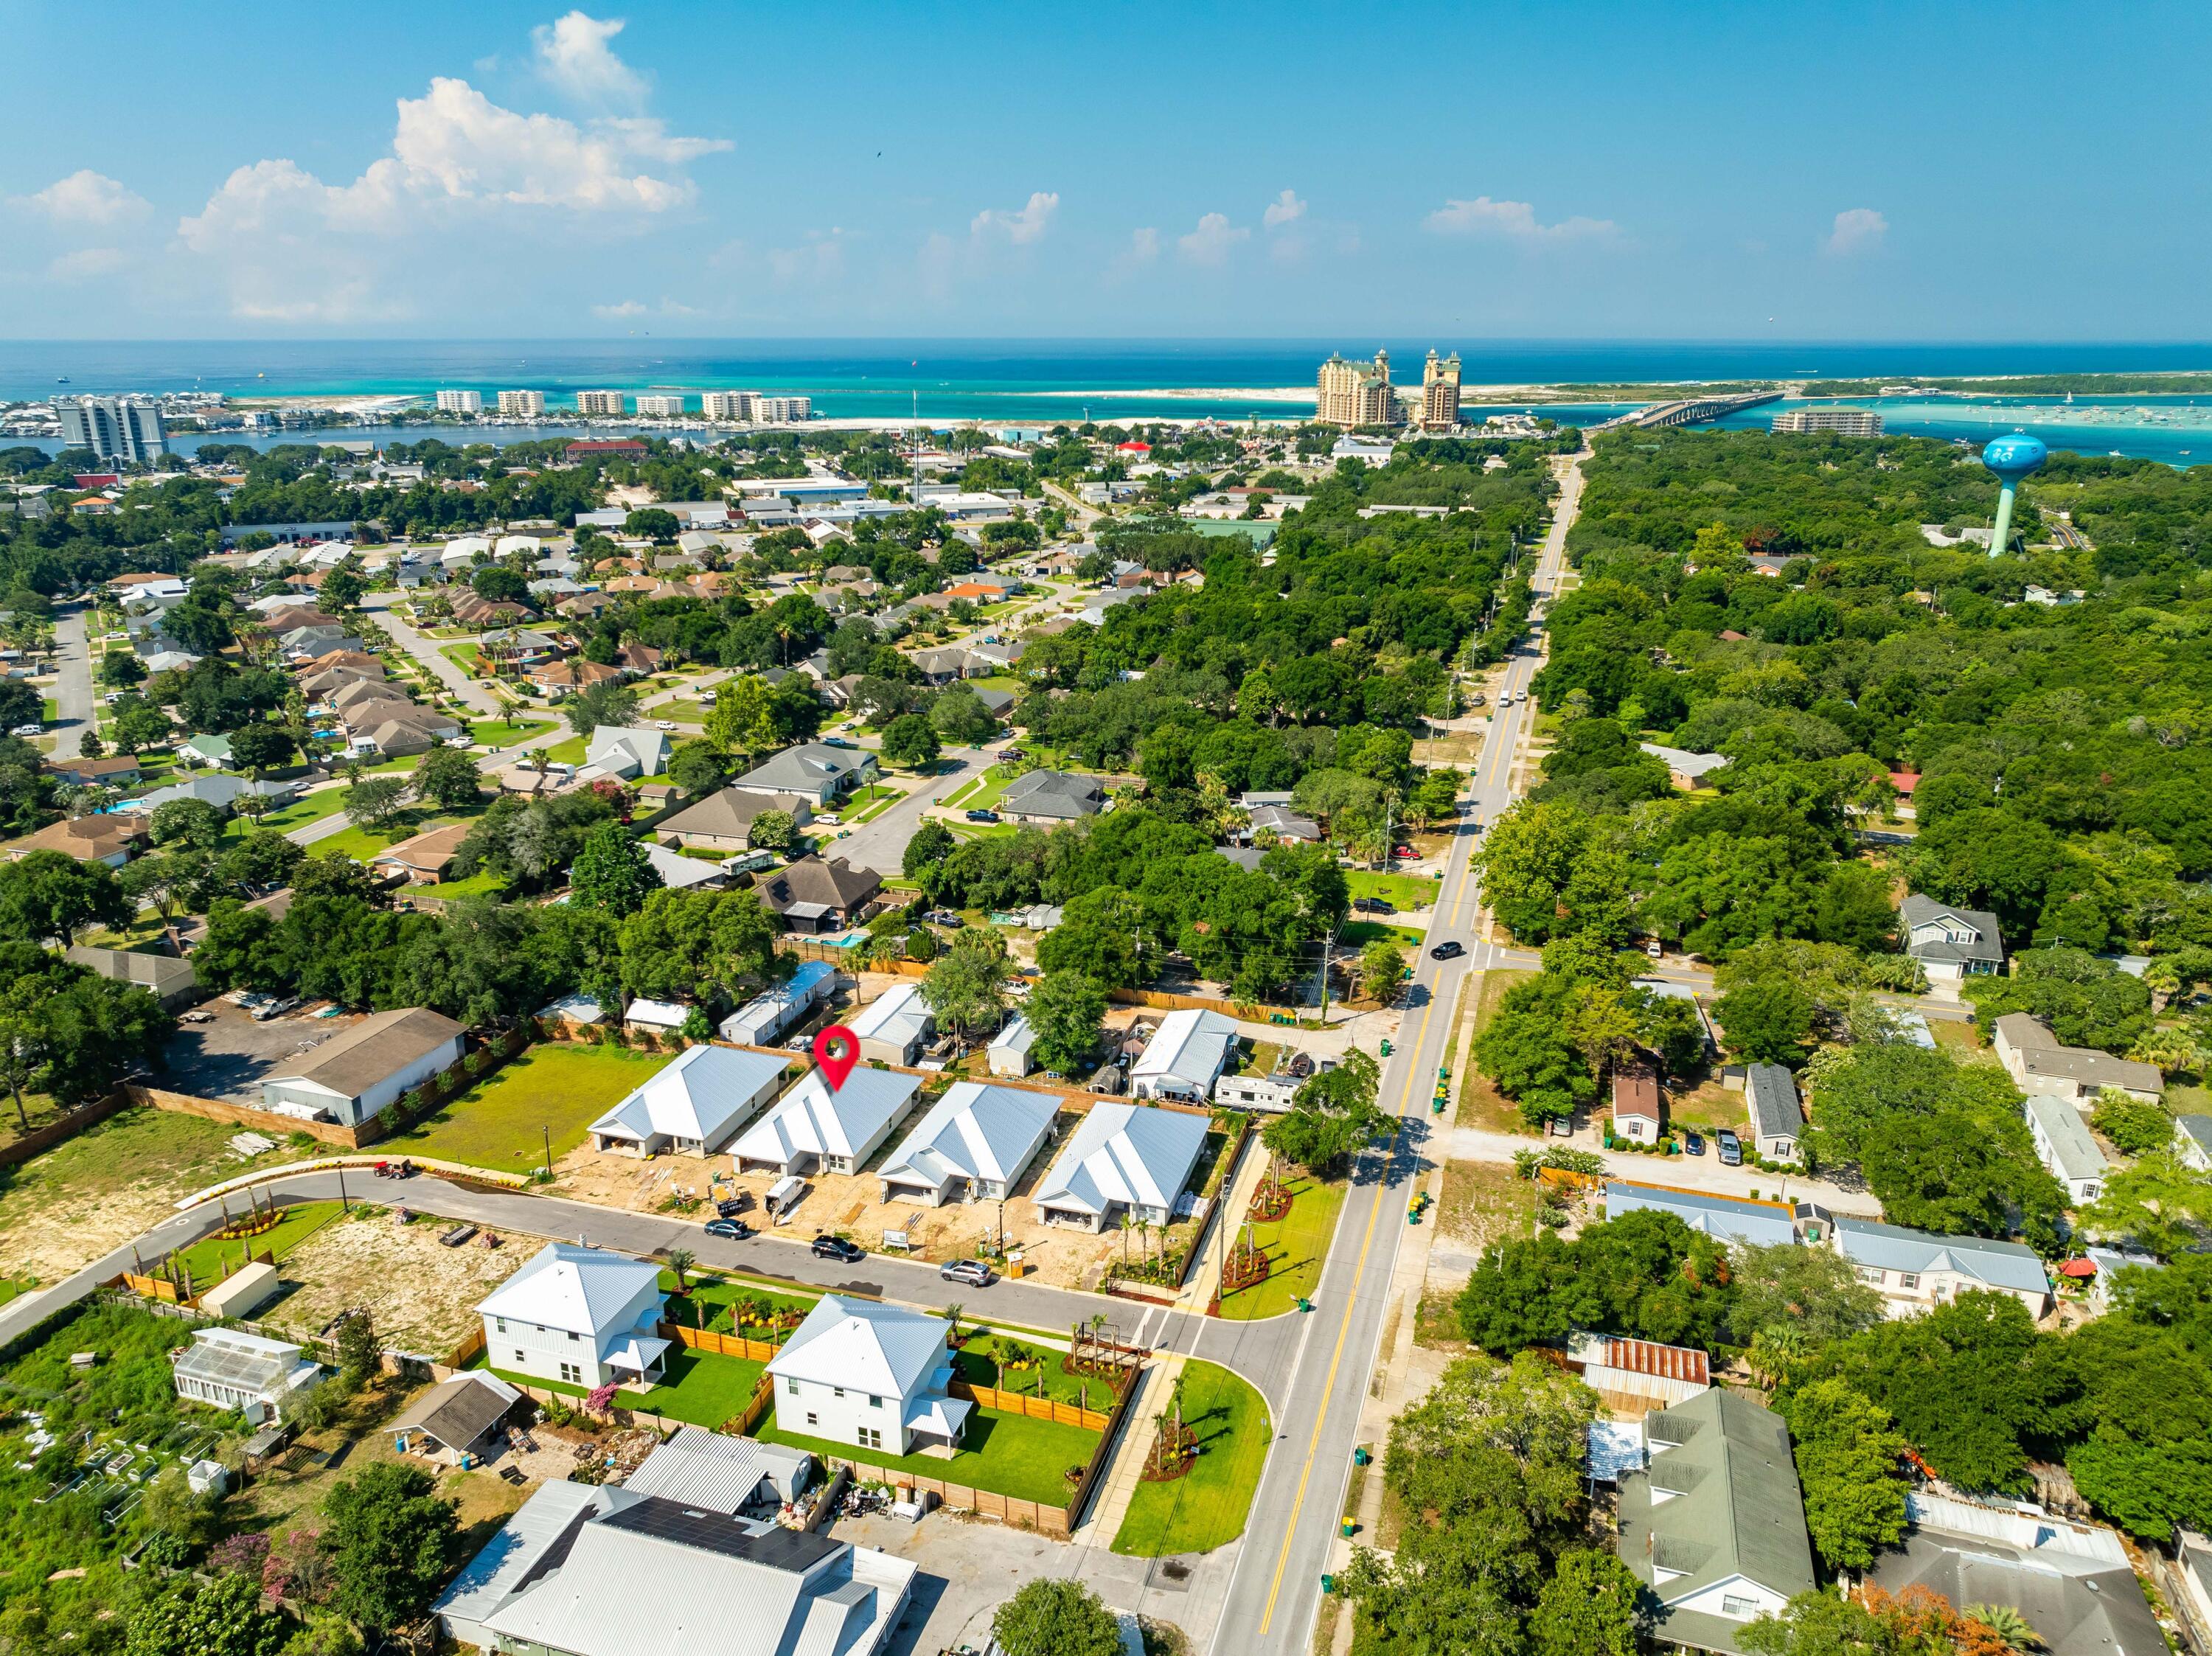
(421, 1293)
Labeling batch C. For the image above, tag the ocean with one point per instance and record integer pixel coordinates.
(1050, 380)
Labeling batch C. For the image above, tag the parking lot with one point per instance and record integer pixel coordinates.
(226, 1056)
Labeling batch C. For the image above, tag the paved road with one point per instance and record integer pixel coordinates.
(73, 689)
(880, 844)
(1276, 1591)
(383, 605)
(1705, 1173)
(1257, 1351)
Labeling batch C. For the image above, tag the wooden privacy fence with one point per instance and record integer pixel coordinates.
(764, 1396)
(39, 1140)
(1030, 1408)
(1057, 1522)
(722, 1345)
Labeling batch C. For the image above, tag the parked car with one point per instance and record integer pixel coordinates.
(729, 1230)
(827, 1246)
(983, 815)
(663, 723)
(1694, 1143)
(27, 730)
(973, 1272)
(1447, 951)
(1404, 852)
(1731, 1148)
(1374, 905)
(1656, 949)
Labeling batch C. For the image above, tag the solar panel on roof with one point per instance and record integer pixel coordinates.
(775, 1548)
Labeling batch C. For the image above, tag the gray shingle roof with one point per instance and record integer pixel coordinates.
(1053, 793)
(1893, 1248)
(1772, 1093)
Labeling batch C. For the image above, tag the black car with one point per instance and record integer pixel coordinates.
(729, 1230)
(983, 815)
(836, 1247)
(1694, 1144)
(1374, 905)
(1731, 1148)
(1447, 951)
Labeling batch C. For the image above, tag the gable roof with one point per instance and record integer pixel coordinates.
(1724, 1216)
(1190, 1045)
(1987, 944)
(1731, 1505)
(578, 1290)
(898, 1014)
(1772, 1092)
(1137, 1154)
(379, 1044)
(645, 747)
(699, 1096)
(458, 1411)
(864, 1346)
(2073, 1154)
(975, 1132)
(2041, 1053)
(813, 1119)
(1893, 1248)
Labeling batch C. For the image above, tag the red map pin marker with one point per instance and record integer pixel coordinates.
(836, 1049)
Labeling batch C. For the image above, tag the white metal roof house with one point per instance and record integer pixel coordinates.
(693, 1106)
(1132, 1158)
(661, 1016)
(1730, 1219)
(1915, 1271)
(2192, 1141)
(233, 1369)
(352, 1076)
(580, 1316)
(977, 1140)
(869, 1374)
(607, 1571)
(2064, 1147)
(1185, 1057)
(1009, 1053)
(893, 1025)
(768, 1015)
(813, 1128)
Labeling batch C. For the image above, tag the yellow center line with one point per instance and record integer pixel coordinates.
(1351, 1302)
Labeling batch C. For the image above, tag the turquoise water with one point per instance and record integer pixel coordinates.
(1048, 380)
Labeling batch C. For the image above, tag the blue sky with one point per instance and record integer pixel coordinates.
(1721, 171)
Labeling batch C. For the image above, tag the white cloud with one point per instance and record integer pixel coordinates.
(1284, 209)
(84, 197)
(292, 247)
(1510, 220)
(1144, 245)
(1210, 243)
(575, 54)
(87, 262)
(1020, 226)
(1856, 230)
(616, 313)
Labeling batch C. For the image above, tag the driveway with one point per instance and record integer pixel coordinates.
(73, 689)
(227, 1058)
(1706, 1174)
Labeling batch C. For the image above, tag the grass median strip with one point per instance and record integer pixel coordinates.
(1296, 1244)
(1208, 1506)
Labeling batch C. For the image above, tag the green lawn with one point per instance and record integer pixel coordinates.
(872, 802)
(502, 1122)
(977, 1363)
(570, 752)
(1405, 890)
(702, 1387)
(507, 732)
(300, 812)
(1357, 934)
(1295, 1245)
(486, 884)
(213, 1259)
(462, 656)
(711, 1297)
(1007, 1454)
(1206, 1506)
(959, 795)
(363, 843)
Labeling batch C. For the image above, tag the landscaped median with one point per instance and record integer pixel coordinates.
(1296, 1246)
(1208, 1507)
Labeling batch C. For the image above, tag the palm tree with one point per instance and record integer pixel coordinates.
(1128, 1224)
(681, 1260)
(2010, 1627)
(952, 1316)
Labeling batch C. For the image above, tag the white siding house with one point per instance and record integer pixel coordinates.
(871, 1375)
(892, 1026)
(816, 1128)
(1185, 1057)
(580, 1316)
(693, 1106)
(350, 1077)
(1124, 1158)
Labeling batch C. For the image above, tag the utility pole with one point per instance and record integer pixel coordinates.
(548, 1131)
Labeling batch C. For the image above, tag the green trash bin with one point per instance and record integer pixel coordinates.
(1347, 1527)
(1328, 1586)
(1304, 1304)
(1360, 1456)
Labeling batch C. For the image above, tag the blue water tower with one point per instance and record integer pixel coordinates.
(2012, 458)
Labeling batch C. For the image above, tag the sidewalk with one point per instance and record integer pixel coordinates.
(1205, 1280)
(1112, 1506)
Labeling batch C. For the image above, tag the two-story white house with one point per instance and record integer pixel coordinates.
(1950, 943)
(578, 1316)
(875, 1376)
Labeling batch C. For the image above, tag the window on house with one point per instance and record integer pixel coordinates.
(573, 1374)
(517, 1356)
(575, 1336)
(791, 1385)
(875, 1402)
(836, 1391)
(1869, 1274)
(1741, 1609)
(871, 1438)
(502, 1322)
(811, 1419)
(1908, 1279)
